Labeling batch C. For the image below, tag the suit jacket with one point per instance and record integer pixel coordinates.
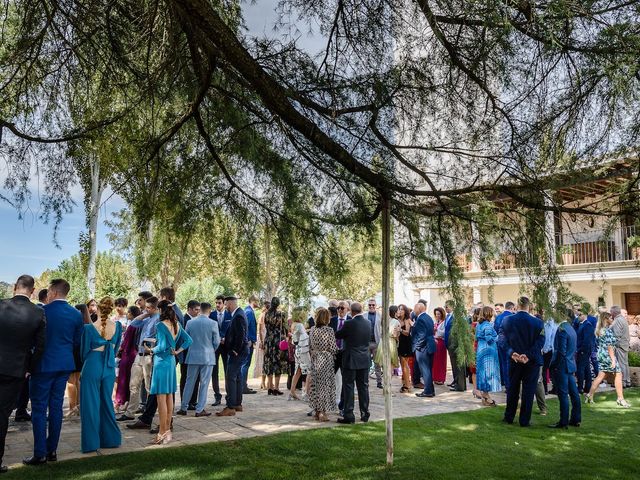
(252, 325)
(497, 325)
(524, 334)
(564, 348)
(223, 325)
(422, 334)
(206, 339)
(179, 314)
(183, 355)
(356, 334)
(377, 328)
(23, 339)
(585, 336)
(621, 331)
(236, 338)
(64, 332)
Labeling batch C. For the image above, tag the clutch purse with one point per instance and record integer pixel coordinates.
(283, 345)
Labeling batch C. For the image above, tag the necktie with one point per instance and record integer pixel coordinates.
(340, 324)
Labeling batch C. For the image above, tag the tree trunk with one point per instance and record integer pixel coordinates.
(270, 292)
(384, 317)
(97, 188)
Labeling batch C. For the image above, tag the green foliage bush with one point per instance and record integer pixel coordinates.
(634, 359)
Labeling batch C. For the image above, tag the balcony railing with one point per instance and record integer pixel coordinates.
(597, 246)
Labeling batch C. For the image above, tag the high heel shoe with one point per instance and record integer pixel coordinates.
(270, 392)
(158, 440)
(621, 402)
(323, 417)
(488, 403)
(277, 392)
(588, 398)
(292, 397)
(477, 395)
(167, 437)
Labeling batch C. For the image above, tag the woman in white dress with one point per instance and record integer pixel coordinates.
(300, 338)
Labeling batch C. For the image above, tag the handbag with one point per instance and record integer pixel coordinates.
(283, 345)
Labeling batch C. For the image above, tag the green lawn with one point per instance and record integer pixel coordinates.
(459, 445)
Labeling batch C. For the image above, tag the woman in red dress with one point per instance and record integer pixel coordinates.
(439, 370)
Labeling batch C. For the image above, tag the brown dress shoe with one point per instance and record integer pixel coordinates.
(203, 413)
(238, 408)
(227, 412)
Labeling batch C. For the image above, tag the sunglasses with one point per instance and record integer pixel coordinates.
(372, 305)
(340, 308)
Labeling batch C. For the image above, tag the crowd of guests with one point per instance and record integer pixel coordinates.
(116, 361)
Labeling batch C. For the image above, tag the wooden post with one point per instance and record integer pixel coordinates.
(384, 342)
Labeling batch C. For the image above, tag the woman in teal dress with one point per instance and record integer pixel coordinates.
(100, 341)
(171, 340)
(607, 360)
(487, 363)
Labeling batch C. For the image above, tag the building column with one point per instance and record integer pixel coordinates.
(477, 295)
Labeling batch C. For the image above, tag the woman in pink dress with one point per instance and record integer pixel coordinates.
(127, 354)
(439, 370)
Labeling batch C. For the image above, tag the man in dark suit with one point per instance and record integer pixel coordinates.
(49, 378)
(252, 333)
(337, 322)
(424, 346)
(237, 347)
(563, 367)
(223, 317)
(22, 415)
(524, 339)
(355, 363)
(21, 345)
(584, 337)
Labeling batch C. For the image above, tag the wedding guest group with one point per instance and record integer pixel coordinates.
(116, 361)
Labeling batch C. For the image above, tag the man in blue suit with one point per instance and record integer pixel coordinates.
(223, 317)
(49, 379)
(424, 346)
(585, 335)
(524, 339)
(563, 367)
(252, 334)
(503, 358)
(201, 357)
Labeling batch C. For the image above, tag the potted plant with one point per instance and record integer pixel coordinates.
(633, 243)
(634, 368)
(566, 252)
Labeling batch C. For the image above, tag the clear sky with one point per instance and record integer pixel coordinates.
(27, 244)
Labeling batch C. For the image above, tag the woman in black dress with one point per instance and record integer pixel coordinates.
(275, 360)
(405, 352)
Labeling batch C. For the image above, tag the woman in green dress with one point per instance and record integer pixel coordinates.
(607, 360)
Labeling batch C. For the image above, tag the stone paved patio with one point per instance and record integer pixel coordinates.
(263, 415)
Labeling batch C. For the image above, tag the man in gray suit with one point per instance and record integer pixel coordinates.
(355, 363)
(376, 334)
(620, 328)
(201, 358)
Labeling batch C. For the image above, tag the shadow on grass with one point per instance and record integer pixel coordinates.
(456, 445)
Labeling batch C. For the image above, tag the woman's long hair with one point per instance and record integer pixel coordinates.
(443, 314)
(406, 310)
(105, 307)
(603, 322)
(168, 313)
(275, 303)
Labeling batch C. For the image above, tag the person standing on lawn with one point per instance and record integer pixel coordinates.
(356, 334)
(563, 366)
(524, 339)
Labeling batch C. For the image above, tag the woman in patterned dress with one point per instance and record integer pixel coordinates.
(322, 396)
(275, 360)
(607, 360)
(259, 363)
